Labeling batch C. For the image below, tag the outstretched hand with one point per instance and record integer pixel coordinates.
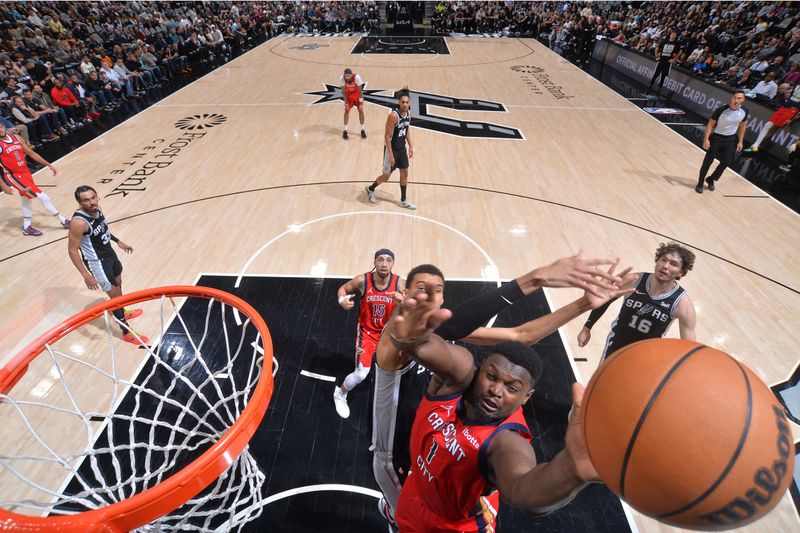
(596, 297)
(575, 443)
(418, 315)
(579, 272)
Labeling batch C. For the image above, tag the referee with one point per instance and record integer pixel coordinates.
(724, 137)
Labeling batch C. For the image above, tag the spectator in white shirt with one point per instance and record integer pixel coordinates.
(767, 87)
(86, 66)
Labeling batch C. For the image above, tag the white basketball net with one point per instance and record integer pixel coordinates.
(146, 424)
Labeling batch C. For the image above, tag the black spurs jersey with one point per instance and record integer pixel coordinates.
(96, 241)
(400, 130)
(642, 316)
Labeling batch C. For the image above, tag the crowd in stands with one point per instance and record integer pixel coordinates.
(66, 64)
(749, 45)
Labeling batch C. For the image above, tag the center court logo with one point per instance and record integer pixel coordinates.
(200, 122)
(422, 115)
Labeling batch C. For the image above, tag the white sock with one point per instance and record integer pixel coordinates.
(354, 378)
(27, 212)
(362, 127)
(48, 204)
(763, 134)
(345, 127)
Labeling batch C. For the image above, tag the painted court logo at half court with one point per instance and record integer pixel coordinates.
(200, 122)
(423, 116)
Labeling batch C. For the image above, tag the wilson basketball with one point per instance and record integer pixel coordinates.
(687, 435)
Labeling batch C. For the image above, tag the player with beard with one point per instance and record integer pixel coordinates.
(380, 290)
(470, 444)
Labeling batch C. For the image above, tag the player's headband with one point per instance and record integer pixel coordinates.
(384, 251)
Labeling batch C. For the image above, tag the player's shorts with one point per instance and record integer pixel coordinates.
(23, 182)
(366, 344)
(783, 116)
(352, 101)
(105, 271)
(400, 160)
(414, 516)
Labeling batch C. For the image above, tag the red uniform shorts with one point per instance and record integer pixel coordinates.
(23, 182)
(352, 100)
(783, 116)
(366, 344)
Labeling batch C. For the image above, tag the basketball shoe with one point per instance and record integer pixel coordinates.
(386, 512)
(133, 313)
(371, 195)
(408, 204)
(340, 402)
(141, 340)
(30, 231)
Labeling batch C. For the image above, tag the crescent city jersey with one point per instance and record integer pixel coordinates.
(376, 305)
(351, 87)
(400, 130)
(448, 483)
(96, 240)
(643, 316)
(12, 155)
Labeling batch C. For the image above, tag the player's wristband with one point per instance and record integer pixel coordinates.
(588, 324)
(343, 298)
(114, 238)
(405, 344)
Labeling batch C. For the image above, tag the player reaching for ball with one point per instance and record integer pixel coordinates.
(469, 441)
(656, 301)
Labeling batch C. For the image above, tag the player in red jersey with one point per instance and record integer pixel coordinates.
(380, 290)
(16, 175)
(469, 441)
(353, 95)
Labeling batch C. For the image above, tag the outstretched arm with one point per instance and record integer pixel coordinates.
(541, 488)
(411, 332)
(628, 284)
(573, 271)
(535, 330)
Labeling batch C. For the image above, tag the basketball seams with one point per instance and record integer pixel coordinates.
(592, 387)
(646, 411)
(593, 383)
(737, 452)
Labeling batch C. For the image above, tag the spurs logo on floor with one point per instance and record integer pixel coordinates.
(201, 122)
(422, 115)
(309, 46)
(788, 393)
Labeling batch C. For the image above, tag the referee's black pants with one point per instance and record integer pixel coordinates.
(723, 147)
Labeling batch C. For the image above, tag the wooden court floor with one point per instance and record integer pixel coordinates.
(242, 172)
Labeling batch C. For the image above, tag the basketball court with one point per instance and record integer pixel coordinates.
(242, 181)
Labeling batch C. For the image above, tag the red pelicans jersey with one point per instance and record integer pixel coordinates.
(12, 156)
(376, 305)
(447, 489)
(351, 87)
